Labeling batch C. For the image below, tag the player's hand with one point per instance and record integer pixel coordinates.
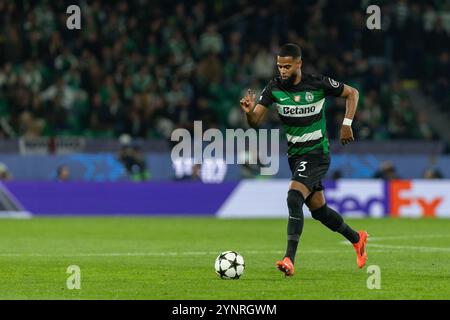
(248, 102)
(346, 135)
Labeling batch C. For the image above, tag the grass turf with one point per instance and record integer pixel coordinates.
(173, 258)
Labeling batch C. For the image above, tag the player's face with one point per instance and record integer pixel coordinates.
(289, 68)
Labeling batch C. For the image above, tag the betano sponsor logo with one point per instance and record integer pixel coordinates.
(299, 110)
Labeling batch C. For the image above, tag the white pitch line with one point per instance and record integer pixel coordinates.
(404, 237)
(162, 254)
(202, 253)
(132, 254)
(425, 249)
(407, 237)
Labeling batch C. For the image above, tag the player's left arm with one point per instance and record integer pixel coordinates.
(352, 96)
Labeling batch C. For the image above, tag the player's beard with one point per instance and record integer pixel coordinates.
(289, 82)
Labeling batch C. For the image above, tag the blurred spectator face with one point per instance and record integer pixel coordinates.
(428, 174)
(444, 58)
(63, 173)
(388, 170)
(289, 68)
(196, 172)
(432, 173)
(202, 104)
(97, 101)
(60, 83)
(4, 173)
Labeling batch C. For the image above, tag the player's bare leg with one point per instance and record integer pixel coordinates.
(333, 220)
(296, 197)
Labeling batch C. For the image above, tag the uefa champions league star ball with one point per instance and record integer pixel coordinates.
(229, 265)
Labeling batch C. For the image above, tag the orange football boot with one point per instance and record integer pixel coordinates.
(360, 248)
(286, 266)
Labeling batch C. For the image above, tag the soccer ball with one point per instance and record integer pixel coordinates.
(229, 265)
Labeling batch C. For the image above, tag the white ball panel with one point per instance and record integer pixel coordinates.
(224, 264)
(230, 273)
(217, 265)
(239, 259)
(230, 256)
(240, 270)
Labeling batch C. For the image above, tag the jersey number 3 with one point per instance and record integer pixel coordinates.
(302, 166)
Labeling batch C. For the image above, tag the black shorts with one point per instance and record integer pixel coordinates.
(309, 169)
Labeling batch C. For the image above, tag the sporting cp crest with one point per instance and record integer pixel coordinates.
(309, 96)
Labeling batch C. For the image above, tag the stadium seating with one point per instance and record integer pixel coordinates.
(146, 67)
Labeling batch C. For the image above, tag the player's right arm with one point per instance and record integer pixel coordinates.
(254, 114)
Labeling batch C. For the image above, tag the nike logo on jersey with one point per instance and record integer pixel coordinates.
(284, 99)
(300, 175)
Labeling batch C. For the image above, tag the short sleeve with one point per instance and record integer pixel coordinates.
(332, 87)
(266, 98)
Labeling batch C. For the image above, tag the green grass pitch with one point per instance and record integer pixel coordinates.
(173, 258)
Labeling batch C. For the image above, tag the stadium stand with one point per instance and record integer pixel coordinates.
(147, 67)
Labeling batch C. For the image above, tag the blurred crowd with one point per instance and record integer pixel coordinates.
(144, 68)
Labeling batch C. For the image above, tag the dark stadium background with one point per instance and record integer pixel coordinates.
(100, 103)
(143, 68)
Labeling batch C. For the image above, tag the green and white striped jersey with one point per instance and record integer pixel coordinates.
(301, 109)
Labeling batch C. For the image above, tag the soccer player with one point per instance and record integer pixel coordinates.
(299, 99)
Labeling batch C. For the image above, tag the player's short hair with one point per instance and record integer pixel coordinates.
(290, 50)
